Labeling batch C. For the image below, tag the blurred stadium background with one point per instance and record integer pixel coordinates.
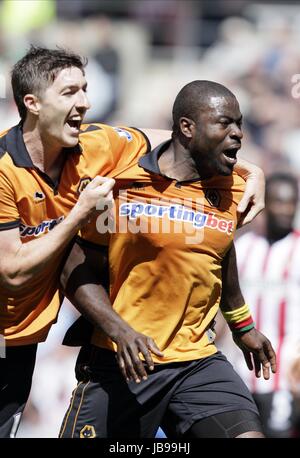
(141, 52)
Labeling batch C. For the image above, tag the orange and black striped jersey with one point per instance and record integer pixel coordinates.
(32, 202)
(165, 251)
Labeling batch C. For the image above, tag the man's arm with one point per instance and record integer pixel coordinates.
(19, 261)
(250, 341)
(253, 200)
(84, 272)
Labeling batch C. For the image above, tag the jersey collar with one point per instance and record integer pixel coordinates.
(150, 160)
(13, 143)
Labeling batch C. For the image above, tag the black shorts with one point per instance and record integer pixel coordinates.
(175, 395)
(16, 371)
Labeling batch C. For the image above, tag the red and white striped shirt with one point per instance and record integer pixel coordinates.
(270, 281)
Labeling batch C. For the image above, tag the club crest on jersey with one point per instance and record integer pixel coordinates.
(87, 432)
(38, 196)
(213, 197)
(83, 183)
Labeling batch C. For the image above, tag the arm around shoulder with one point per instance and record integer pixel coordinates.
(253, 200)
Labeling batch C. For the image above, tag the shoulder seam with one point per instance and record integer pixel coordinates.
(145, 137)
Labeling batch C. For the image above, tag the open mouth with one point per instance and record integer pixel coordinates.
(74, 124)
(230, 155)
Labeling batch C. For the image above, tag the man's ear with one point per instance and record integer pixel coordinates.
(187, 127)
(32, 104)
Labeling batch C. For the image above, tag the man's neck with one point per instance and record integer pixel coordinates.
(177, 163)
(45, 156)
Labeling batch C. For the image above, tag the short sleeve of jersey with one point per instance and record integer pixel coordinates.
(107, 149)
(126, 145)
(9, 214)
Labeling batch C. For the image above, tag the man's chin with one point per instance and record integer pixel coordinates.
(70, 142)
(225, 171)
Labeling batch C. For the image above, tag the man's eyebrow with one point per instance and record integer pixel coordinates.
(73, 86)
(230, 118)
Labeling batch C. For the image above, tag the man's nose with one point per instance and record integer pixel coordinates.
(83, 102)
(236, 132)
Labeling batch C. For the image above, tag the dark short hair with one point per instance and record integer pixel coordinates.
(38, 69)
(282, 177)
(192, 97)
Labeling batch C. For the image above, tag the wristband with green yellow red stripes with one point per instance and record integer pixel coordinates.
(239, 320)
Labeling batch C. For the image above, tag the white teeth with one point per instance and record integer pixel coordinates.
(74, 123)
(74, 129)
(230, 159)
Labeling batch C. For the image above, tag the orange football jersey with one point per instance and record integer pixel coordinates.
(32, 202)
(166, 245)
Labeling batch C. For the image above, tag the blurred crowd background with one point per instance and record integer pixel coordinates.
(140, 55)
